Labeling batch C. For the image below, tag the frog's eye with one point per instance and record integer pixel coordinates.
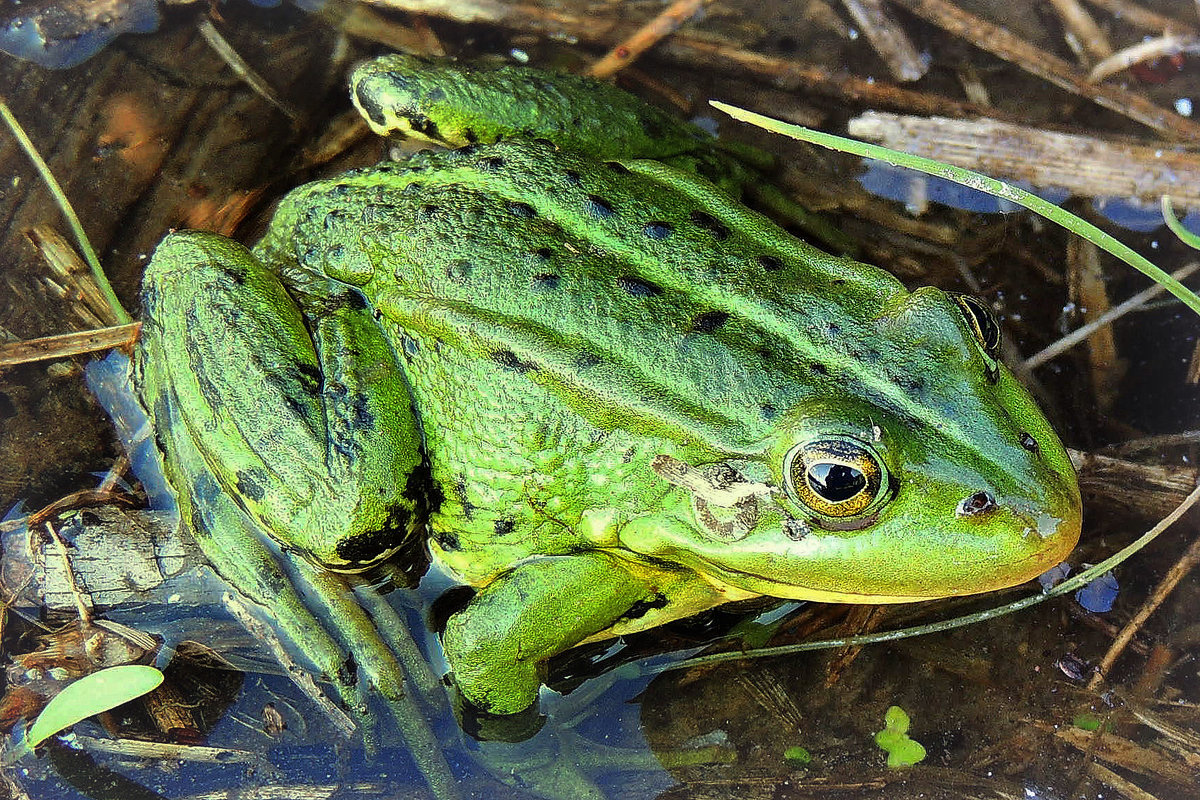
(836, 477)
(984, 325)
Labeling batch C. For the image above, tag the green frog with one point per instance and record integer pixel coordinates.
(604, 392)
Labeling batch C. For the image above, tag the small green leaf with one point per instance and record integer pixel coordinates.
(797, 757)
(1086, 721)
(893, 739)
(100, 691)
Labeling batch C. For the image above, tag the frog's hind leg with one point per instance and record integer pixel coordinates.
(307, 423)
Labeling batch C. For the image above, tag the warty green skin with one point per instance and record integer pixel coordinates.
(554, 366)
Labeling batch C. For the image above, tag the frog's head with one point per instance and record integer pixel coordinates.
(945, 479)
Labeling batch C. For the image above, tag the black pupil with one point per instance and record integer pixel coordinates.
(836, 482)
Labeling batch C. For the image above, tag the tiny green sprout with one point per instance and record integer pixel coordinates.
(1086, 721)
(797, 757)
(902, 751)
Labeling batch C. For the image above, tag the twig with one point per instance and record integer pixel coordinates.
(1178, 571)
(85, 613)
(1002, 43)
(888, 39)
(650, 34)
(1076, 336)
(1081, 164)
(300, 676)
(68, 344)
(1088, 290)
(243, 70)
(1143, 18)
(789, 74)
(1143, 51)
(1079, 23)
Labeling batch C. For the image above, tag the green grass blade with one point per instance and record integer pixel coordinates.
(973, 180)
(85, 247)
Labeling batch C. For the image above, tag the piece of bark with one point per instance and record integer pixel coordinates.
(1083, 165)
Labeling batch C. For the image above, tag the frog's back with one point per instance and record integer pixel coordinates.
(634, 303)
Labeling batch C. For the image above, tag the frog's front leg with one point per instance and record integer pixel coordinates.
(305, 421)
(498, 644)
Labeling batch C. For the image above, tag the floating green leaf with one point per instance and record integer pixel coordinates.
(902, 751)
(100, 691)
(1086, 721)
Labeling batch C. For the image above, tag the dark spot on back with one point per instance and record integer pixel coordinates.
(573, 177)
(470, 135)
(617, 167)
(820, 369)
(598, 207)
(1029, 443)
(509, 360)
(709, 321)
(522, 210)
(491, 164)
(769, 411)
(658, 229)
(503, 527)
(770, 263)
(546, 280)
(710, 224)
(436, 95)
(250, 483)
(447, 540)
(544, 253)
(586, 360)
(636, 287)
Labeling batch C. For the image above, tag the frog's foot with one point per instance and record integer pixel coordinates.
(498, 645)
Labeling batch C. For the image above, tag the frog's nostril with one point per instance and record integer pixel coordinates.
(976, 504)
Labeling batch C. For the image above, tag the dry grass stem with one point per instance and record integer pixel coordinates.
(670, 20)
(68, 344)
(1083, 28)
(1143, 51)
(1186, 563)
(1003, 44)
(1076, 336)
(888, 38)
(1088, 290)
(243, 70)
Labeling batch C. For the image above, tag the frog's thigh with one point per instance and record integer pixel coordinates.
(315, 440)
(497, 644)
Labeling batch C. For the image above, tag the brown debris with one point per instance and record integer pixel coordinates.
(667, 22)
(1003, 44)
(1088, 290)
